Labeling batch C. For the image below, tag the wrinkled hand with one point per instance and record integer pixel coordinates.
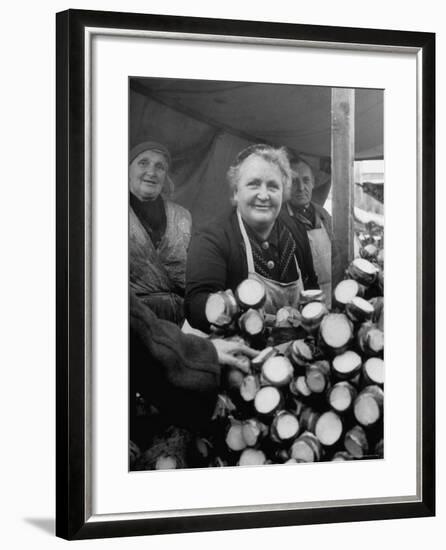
(228, 350)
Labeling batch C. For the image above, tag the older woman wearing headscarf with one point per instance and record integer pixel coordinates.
(159, 233)
(253, 242)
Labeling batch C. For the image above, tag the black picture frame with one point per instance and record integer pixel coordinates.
(72, 515)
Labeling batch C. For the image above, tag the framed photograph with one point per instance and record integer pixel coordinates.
(228, 194)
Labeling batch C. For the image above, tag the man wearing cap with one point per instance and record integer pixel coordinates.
(159, 233)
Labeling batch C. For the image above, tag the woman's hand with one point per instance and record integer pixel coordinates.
(228, 350)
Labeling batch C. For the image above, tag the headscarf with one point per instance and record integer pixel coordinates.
(149, 146)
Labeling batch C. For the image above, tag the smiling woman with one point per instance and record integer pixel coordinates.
(254, 241)
(260, 181)
(147, 174)
(159, 233)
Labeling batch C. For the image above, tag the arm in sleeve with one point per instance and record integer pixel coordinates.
(206, 272)
(173, 250)
(188, 361)
(178, 372)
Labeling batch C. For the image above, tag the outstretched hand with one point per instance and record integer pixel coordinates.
(228, 351)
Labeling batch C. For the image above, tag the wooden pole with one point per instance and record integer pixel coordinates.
(342, 158)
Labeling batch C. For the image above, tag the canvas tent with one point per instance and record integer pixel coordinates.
(206, 123)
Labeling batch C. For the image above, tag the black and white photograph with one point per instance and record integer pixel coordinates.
(256, 273)
(222, 340)
(199, 199)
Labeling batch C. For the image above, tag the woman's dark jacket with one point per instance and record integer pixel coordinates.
(216, 261)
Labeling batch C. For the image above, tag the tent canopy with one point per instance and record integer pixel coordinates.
(206, 123)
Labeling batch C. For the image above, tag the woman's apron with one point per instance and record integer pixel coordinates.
(277, 294)
(320, 245)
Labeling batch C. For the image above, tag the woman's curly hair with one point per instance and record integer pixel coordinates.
(273, 155)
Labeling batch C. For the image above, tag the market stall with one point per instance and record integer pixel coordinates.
(315, 391)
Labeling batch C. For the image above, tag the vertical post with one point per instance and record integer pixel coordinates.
(342, 158)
